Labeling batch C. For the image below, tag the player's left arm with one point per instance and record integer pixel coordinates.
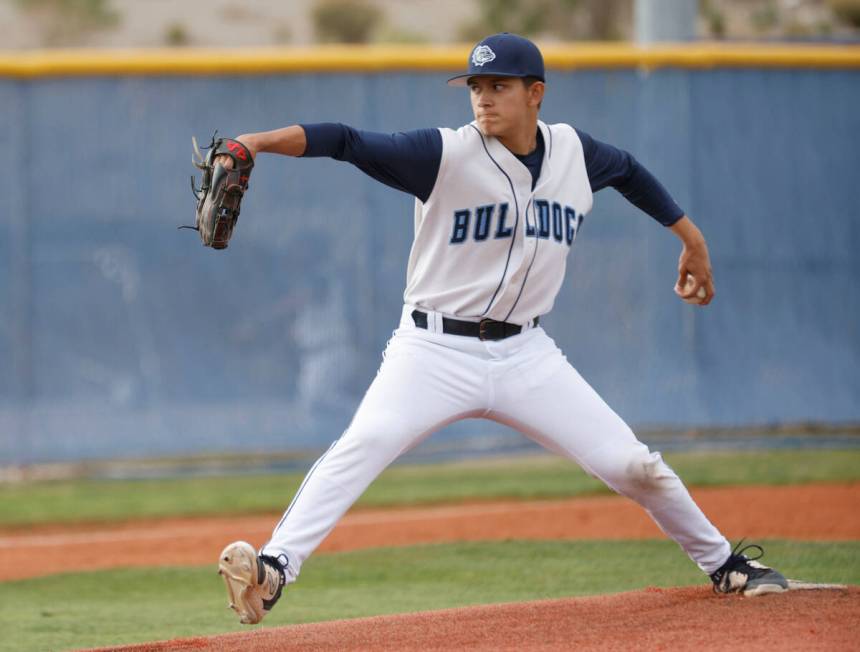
(609, 166)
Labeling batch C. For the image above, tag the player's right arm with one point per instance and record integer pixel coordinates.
(289, 141)
(408, 161)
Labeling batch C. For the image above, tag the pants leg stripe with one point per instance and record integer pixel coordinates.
(302, 486)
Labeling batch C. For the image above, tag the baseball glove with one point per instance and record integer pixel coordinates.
(221, 190)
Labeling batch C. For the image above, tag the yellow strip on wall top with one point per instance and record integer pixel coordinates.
(381, 58)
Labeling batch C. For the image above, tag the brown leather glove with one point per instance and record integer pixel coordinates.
(219, 196)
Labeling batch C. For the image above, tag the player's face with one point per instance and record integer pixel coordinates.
(501, 104)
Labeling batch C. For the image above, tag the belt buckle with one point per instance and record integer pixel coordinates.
(483, 325)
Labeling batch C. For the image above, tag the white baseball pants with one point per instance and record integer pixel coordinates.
(429, 379)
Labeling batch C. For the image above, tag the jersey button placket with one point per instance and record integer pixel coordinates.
(508, 291)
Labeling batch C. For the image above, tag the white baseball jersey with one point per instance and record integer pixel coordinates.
(486, 244)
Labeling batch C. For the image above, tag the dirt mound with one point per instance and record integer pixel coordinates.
(806, 512)
(653, 619)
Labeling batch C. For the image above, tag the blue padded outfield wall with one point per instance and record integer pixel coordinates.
(121, 336)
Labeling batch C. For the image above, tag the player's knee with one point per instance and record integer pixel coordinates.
(639, 470)
(647, 471)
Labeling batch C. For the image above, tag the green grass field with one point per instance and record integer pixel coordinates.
(125, 606)
(74, 610)
(527, 478)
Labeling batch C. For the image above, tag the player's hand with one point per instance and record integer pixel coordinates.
(696, 262)
(248, 141)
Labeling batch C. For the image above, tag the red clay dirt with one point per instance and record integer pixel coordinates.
(808, 512)
(692, 619)
(654, 619)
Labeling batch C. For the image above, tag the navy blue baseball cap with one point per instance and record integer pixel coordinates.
(503, 55)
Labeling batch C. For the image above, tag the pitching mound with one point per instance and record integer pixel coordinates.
(653, 619)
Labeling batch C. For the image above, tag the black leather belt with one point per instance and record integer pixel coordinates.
(486, 329)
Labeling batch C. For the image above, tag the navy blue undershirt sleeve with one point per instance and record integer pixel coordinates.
(408, 161)
(609, 166)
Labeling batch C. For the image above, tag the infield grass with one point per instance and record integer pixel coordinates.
(111, 608)
(526, 478)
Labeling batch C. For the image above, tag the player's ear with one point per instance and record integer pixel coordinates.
(535, 90)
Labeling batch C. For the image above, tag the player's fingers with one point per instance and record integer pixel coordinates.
(681, 283)
(225, 161)
(699, 292)
(690, 287)
(710, 292)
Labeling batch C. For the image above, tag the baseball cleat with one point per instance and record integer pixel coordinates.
(254, 582)
(742, 574)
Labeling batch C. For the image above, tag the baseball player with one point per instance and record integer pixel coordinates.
(499, 204)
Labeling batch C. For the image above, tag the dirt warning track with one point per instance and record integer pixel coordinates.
(807, 512)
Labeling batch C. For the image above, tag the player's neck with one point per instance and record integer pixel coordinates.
(522, 140)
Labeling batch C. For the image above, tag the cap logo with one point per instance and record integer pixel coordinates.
(482, 54)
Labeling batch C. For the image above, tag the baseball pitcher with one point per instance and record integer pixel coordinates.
(499, 204)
